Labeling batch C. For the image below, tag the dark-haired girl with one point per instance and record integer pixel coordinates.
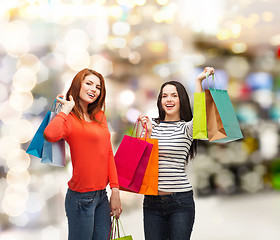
(170, 215)
(82, 123)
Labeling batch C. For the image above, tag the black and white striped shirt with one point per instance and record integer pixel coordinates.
(174, 142)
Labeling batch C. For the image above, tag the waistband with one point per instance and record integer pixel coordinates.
(174, 195)
(102, 191)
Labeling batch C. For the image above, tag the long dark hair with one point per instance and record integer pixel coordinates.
(185, 110)
(75, 88)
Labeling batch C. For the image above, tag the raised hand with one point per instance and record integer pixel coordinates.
(145, 120)
(200, 77)
(67, 106)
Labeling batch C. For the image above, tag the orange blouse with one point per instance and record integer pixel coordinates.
(91, 151)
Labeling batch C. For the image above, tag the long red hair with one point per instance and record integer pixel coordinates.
(74, 91)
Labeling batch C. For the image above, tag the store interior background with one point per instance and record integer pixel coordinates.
(137, 45)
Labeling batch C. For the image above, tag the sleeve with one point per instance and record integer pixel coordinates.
(56, 129)
(112, 170)
(189, 128)
(154, 123)
(113, 176)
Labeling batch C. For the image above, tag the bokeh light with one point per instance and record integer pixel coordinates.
(126, 98)
(18, 177)
(14, 38)
(77, 59)
(20, 101)
(24, 80)
(29, 61)
(18, 159)
(7, 144)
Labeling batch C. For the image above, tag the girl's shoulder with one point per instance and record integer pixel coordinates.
(155, 122)
(187, 122)
(99, 115)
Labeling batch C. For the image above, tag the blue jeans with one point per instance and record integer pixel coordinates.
(169, 217)
(88, 215)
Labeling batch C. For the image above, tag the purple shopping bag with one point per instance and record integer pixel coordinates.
(131, 160)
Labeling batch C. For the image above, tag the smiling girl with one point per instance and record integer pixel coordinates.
(83, 125)
(170, 215)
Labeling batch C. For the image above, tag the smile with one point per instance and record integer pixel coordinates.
(170, 105)
(91, 95)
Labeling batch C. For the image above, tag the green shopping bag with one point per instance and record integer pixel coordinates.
(115, 231)
(199, 116)
(227, 115)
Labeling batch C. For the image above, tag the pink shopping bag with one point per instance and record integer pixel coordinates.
(131, 160)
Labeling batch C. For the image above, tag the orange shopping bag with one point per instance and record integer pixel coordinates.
(150, 181)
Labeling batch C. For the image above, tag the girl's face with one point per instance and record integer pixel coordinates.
(90, 89)
(170, 103)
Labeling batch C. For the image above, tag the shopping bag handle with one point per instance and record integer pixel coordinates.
(56, 106)
(115, 229)
(136, 124)
(207, 76)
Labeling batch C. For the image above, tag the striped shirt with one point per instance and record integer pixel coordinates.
(174, 140)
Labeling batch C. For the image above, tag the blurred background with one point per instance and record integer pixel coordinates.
(137, 45)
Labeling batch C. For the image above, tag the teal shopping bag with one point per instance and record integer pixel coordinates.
(35, 148)
(227, 115)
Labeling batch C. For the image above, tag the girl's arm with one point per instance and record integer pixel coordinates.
(115, 201)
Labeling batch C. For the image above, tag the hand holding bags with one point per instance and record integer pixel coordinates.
(51, 153)
(131, 161)
(222, 124)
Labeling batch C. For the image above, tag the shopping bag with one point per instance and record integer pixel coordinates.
(199, 116)
(215, 126)
(227, 114)
(35, 147)
(150, 181)
(115, 231)
(131, 160)
(54, 152)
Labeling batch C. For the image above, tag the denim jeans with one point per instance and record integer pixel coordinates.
(169, 217)
(88, 215)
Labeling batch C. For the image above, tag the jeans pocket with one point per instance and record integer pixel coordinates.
(147, 202)
(186, 201)
(86, 205)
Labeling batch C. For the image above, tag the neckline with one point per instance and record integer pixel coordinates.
(83, 120)
(171, 121)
